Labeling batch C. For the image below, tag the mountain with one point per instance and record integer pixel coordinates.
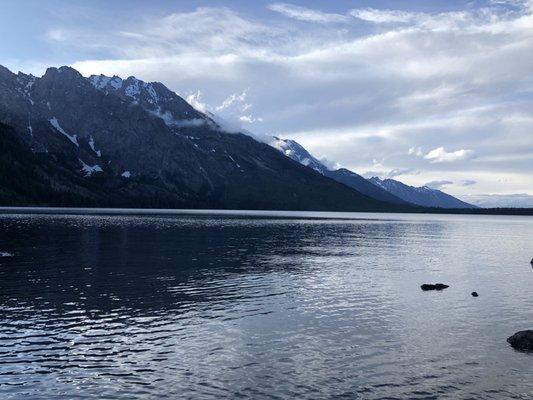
(297, 152)
(518, 200)
(422, 196)
(387, 190)
(107, 141)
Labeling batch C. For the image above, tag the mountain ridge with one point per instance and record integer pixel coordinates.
(422, 196)
(141, 142)
(389, 190)
(297, 152)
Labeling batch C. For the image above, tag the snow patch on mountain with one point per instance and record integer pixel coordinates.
(91, 143)
(115, 83)
(126, 174)
(101, 81)
(133, 90)
(296, 152)
(55, 123)
(88, 170)
(151, 91)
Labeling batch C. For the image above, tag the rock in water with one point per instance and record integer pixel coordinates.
(522, 340)
(474, 294)
(436, 286)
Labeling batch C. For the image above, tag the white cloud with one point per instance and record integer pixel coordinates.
(415, 151)
(57, 35)
(439, 155)
(195, 100)
(250, 119)
(234, 99)
(383, 16)
(306, 14)
(400, 171)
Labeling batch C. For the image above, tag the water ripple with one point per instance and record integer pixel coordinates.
(105, 306)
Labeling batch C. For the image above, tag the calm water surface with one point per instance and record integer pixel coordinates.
(263, 305)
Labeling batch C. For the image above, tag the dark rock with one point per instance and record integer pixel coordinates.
(522, 340)
(532, 261)
(436, 286)
(474, 294)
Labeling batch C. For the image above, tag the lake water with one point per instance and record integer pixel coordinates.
(263, 305)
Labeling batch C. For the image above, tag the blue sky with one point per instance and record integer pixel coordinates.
(428, 92)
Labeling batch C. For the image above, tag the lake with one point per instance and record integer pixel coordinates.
(263, 305)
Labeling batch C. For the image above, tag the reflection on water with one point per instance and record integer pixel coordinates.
(210, 306)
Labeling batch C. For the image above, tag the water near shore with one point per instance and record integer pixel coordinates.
(263, 305)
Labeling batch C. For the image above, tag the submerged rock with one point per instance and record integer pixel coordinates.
(474, 294)
(436, 286)
(522, 340)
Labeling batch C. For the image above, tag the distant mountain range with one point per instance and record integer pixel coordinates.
(422, 196)
(67, 140)
(388, 190)
(517, 200)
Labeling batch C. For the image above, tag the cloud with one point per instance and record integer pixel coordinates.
(390, 174)
(57, 35)
(233, 99)
(195, 100)
(306, 14)
(415, 151)
(331, 165)
(438, 184)
(468, 182)
(383, 16)
(439, 155)
(399, 171)
(184, 123)
(250, 119)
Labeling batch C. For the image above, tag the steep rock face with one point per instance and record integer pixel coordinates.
(142, 144)
(422, 196)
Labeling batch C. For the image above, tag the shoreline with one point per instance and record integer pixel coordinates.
(318, 214)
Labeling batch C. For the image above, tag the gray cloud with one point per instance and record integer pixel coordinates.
(438, 184)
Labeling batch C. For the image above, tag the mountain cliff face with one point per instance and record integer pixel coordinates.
(108, 141)
(422, 196)
(295, 151)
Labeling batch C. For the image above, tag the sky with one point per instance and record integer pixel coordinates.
(436, 93)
